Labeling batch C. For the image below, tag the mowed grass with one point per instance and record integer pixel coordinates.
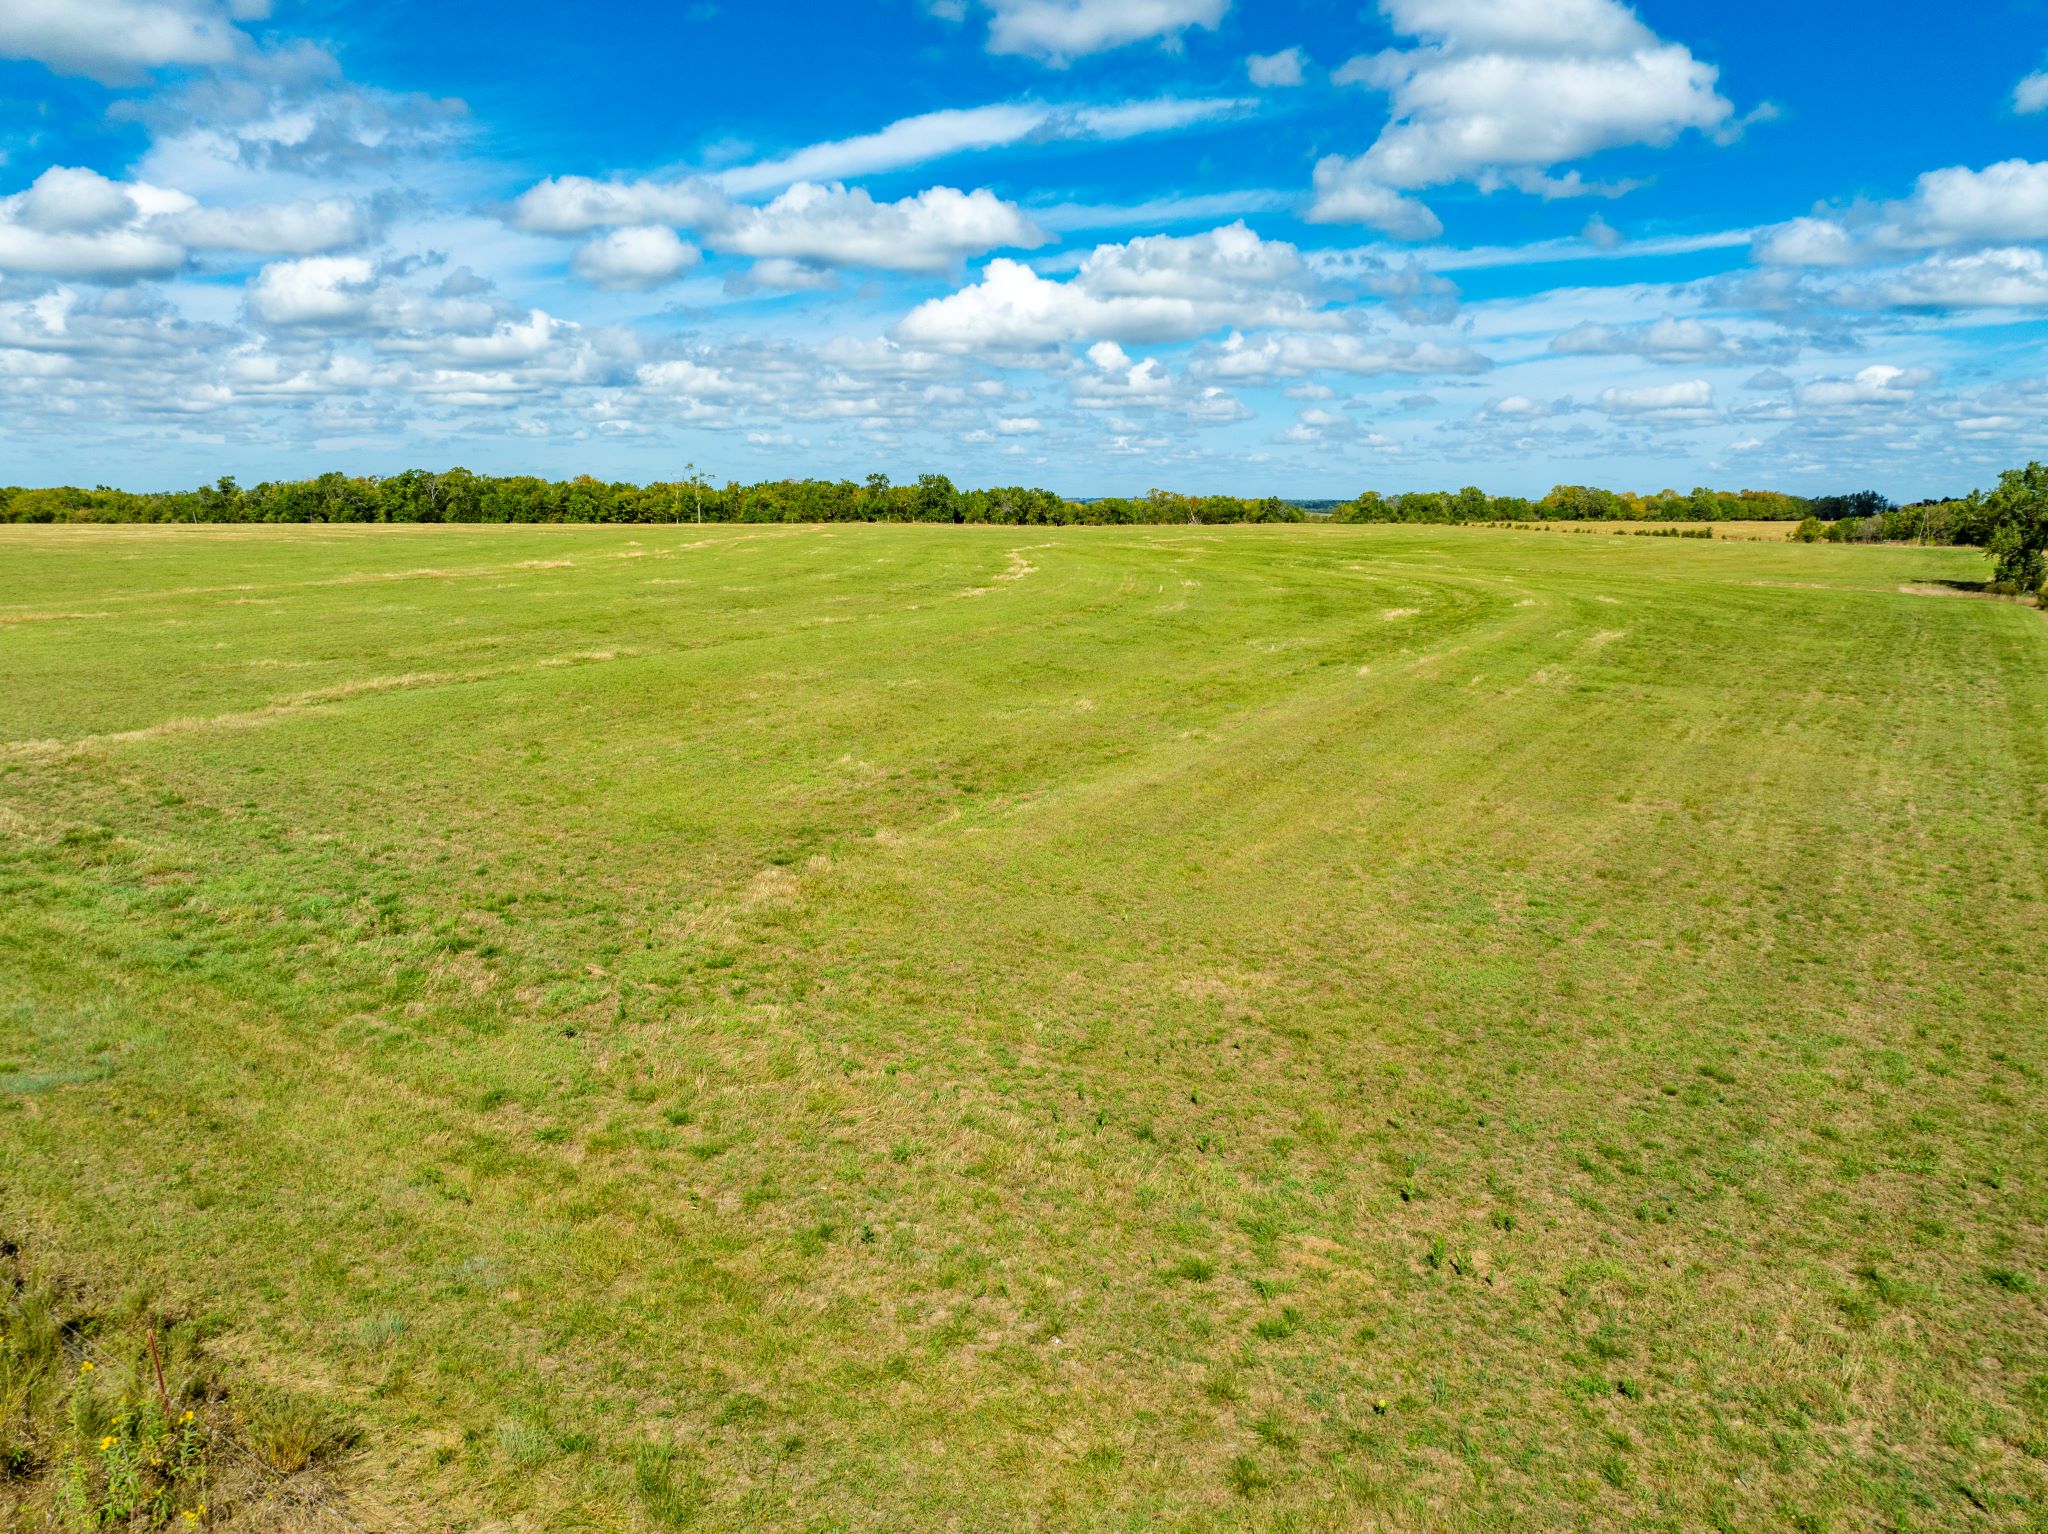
(904, 1028)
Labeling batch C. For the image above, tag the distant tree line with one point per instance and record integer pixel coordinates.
(1579, 503)
(457, 495)
(2011, 522)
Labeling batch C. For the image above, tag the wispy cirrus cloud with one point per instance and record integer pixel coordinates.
(930, 137)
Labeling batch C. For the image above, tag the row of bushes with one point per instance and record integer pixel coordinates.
(1965, 521)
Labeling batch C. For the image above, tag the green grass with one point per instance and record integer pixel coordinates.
(993, 1029)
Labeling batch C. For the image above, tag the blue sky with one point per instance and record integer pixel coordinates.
(1101, 245)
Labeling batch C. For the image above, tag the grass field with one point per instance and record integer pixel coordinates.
(991, 1029)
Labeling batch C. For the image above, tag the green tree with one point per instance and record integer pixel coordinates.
(937, 500)
(2018, 514)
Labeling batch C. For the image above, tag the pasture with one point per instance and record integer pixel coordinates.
(894, 1028)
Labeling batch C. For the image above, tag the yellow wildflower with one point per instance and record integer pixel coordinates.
(85, 1366)
(186, 1418)
(106, 1443)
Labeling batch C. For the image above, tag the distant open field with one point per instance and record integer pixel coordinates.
(987, 1029)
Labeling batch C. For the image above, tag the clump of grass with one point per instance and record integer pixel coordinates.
(1278, 1328)
(1275, 1434)
(1102, 1458)
(1221, 1385)
(2012, 1280)
(523, 1444)
(740, 1406)
(1195, 1270)
(1246, 1476)
(1608, 1341)
(377, 1332)
(288, 1430)
(669, 1486)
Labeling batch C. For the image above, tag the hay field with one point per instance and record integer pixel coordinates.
(900, 1028)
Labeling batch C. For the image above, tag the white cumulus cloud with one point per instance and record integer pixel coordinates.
(637, 258)
(1154, 288)
(833, 226)
(1501, 91)
(301, 228)
(320, 290)
(2031, 94)
(1276, 69)
(1298, 356)
(1807, 242)
(77, 224)
(1690, 400)
(1059, 30)
(2003, 202)
(2014, 277)
(1878, 384)
(116, 41)
(1666, 340)
(1348, 193)
(580, 204)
